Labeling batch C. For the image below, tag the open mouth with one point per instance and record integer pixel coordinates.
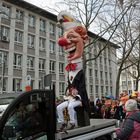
(71, 50)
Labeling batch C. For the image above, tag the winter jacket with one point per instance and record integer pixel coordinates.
(130, 129)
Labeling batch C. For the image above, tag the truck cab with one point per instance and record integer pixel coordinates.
(30, 116)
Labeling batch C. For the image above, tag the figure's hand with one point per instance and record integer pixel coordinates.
(65, 97)
(115, 129)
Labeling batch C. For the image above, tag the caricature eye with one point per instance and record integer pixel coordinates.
(70, 37)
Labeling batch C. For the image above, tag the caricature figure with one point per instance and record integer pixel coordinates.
(71, 100)
(73, 41)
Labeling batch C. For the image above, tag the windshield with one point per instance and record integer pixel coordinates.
(4, 101)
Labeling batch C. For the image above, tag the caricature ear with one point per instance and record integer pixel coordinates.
(86, 38)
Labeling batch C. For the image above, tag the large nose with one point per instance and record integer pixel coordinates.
(62, 41)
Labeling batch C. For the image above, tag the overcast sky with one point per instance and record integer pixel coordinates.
(44, 3)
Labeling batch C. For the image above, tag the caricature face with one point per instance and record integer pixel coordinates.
(73, 42)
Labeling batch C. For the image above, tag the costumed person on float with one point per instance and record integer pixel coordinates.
(73, 41)
(71, 100)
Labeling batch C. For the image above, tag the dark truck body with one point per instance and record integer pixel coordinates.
(99, 129)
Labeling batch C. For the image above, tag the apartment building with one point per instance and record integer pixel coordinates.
(128, 80)
(28, 48)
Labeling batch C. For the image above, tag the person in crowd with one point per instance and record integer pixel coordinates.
(130, 128)
(97, 108)
(71, 100)
(107, 108)
(134, 96)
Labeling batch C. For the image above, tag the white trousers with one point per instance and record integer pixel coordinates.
(71, 104)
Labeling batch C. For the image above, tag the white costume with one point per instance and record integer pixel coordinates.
(70, 102)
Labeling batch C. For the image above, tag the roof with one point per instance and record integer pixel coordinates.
(49, 15)
(33, 8)
(91, 34)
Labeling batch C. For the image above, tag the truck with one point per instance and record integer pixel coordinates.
(32, 115)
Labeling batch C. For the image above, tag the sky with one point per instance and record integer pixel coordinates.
(44, 3)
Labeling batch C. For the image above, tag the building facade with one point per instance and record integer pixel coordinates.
(28, 48)
(128, 79)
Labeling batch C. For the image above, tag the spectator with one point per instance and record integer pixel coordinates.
(130, 128)
(97, 108)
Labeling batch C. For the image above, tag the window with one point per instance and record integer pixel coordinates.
(129, 82)
(96, 88)
(105, 53)
(111, 89)
(30, 41)
(110, 75)
(3, 57)
(96, 73)
(42, 25)
(101, 75)
(17, 84)
(52, 46)
(42, 43)
(134, 73)
(123, 83)
(106, 89)
(61, 68)
(91, 89)
(30, 62)
(17, 60)
(61, 50)
(134, 82)
(100, 59)
(41, 64)
(90, 55)
(52, 66)
(90, 73)
(19, 14)
(102, 89)
(5, 11)
(106, 75)
(52, 29)
(27, 111)
(109, 62)
(61, 88)
(5, 33)
(95, 51)
(95, 63)
(105, 61)
(31, 21)
(18, 36)
(60, 31)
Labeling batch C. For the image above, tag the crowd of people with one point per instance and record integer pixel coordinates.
(125, 109)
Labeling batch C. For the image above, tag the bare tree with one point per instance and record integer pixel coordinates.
(114, 19)
(125, 35)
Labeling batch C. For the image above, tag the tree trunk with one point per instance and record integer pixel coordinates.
(137, 84)
(117, 83)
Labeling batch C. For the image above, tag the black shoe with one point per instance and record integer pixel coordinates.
(72, 126)
(63, 126)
